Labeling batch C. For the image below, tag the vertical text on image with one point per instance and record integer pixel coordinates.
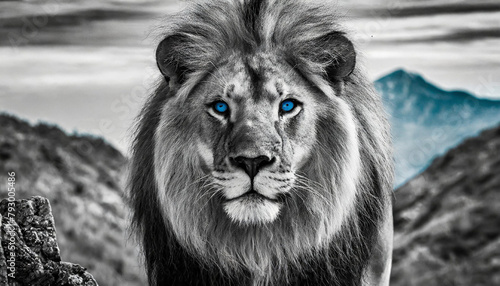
(11, 235)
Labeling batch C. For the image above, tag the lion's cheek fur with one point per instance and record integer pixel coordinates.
(335, 167)
(177, 166)
(300, 138)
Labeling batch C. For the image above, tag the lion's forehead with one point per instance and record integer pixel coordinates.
(256, 78)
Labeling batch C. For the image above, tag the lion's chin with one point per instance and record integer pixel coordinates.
(252, 209)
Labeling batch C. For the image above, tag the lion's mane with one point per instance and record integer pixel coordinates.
(206, 32)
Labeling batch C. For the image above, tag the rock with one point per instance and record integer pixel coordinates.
(29, 254)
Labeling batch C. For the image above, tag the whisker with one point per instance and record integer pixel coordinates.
(310, 185)
(215, 192)
(206, 192)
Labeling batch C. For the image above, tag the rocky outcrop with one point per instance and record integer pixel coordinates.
(29, 254)
(447, 219)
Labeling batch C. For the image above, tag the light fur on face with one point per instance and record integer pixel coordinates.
(252, 210)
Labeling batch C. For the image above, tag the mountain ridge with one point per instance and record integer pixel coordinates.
(426, 120)
(446, 218)
(418, 78)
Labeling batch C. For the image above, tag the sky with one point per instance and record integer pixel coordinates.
(88, 67)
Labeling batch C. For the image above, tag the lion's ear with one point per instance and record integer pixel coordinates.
(339, 54)
(169, 59)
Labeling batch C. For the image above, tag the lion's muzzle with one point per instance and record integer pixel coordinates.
(253, 168)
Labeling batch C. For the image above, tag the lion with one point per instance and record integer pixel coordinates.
(264, 155)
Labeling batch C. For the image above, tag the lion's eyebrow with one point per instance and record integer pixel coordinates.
(229, 90)
(279, 88)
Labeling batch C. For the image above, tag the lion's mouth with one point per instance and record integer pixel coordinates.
(253, 196)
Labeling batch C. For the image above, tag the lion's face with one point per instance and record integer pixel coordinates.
(256, 131)
(254, 162)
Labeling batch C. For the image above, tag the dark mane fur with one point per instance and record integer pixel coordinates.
(210, 31)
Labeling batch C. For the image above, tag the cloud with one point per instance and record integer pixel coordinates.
(413, 11)
(460, 35)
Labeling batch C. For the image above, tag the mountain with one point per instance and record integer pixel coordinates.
(83, 177)
(447, 219)
(426, 120)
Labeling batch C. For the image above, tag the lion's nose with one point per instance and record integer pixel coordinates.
(252, 165)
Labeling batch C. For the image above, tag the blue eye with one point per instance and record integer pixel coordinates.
(221, 107)
(287, 106)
